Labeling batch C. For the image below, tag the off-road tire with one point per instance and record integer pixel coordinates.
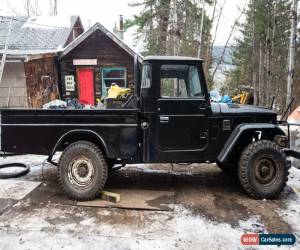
(94, 161)
(259, 162)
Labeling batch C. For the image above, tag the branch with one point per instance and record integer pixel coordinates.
(13, 10)
(228, 39)
(218, 22)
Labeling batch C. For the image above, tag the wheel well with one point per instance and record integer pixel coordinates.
(248, 137)
(74, 136)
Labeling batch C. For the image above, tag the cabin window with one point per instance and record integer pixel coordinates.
(113, 75)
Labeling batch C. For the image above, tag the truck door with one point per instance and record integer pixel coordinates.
(182, 114)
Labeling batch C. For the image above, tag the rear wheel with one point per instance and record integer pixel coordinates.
(82, 171)
(263, 170)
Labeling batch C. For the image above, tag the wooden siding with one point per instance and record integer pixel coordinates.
(108, 54)
(42, 81)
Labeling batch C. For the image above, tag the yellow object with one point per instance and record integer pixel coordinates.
(110, 196)
(115, 91)
(241, 98)
(244, 97)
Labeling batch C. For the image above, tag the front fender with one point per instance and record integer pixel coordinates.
(238, 133)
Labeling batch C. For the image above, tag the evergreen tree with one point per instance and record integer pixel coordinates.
(261, 53)
(172, 27)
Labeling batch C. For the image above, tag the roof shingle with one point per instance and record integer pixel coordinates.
(32, 34)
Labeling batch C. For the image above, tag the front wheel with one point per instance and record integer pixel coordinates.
(82, 171)
(263, 170)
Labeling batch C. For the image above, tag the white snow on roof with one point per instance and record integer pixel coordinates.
(48, 22)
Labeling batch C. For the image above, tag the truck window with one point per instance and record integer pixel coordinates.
(195, 85)
(146, 76)
(180, 81)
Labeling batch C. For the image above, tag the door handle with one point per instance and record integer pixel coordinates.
(203, 135)
(164, 119)
(202, 107)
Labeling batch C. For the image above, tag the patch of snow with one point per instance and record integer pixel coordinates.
(59, 226)
(47, 22)
(88, 222)
(194, 232)
(16, 190)
(294, 179)
(292, 215)
(152, 230)
(168, 170)
(253, 225)
(292, 212)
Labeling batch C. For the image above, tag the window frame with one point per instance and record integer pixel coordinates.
(105, 78)
(187, 84)
(150, 72)
(200, 77)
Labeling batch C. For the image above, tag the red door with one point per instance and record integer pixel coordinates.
(86, 86)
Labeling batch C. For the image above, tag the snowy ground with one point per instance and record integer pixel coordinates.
(211, 212)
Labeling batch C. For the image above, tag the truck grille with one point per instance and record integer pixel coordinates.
(226, 125)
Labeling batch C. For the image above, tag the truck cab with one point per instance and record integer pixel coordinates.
(175, 107)
(179, 122)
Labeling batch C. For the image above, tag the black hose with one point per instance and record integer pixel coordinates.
(25, 169)
(20, 173)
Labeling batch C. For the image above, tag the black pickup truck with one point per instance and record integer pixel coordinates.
(169, 120)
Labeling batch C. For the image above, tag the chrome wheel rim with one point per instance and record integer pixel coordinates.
(81, 172)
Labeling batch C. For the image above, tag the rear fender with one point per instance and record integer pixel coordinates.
(242, 132)
(80, 134)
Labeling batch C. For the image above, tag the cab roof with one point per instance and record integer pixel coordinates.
(172, 58)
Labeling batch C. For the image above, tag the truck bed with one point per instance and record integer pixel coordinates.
(37, 131)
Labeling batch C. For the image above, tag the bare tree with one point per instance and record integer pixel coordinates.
(292, 49)
(254, 54)
(236, 22)
(201, 30)
(218, 21)
(53, 7)
(175, 29)
(31, 9)
(12, 10)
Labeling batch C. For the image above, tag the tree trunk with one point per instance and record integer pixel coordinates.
(175, 30)
(254, 56)
(292, 52)
(269, 89)
(163, 23)
(260, 75)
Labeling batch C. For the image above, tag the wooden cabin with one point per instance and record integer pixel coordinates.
(94, 61)
(30, 77)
